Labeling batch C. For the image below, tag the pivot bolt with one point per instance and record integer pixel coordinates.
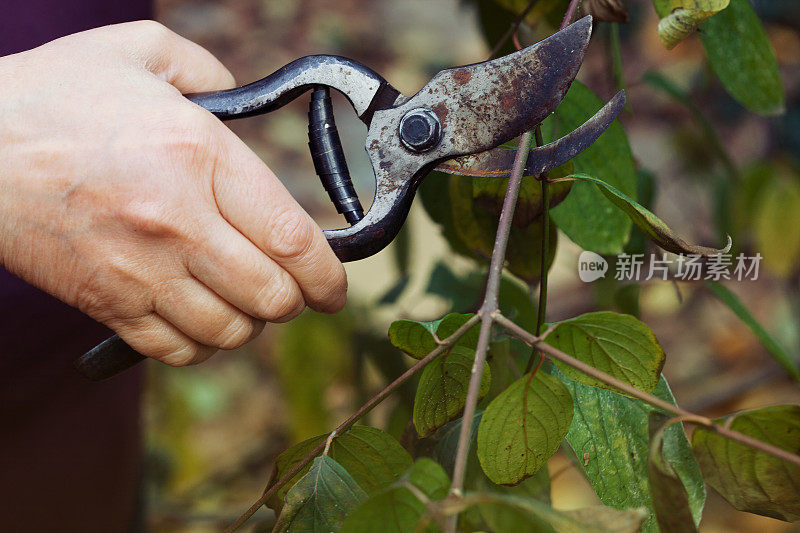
(420, 130)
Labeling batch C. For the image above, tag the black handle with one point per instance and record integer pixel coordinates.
(328, 156)
(107, 359)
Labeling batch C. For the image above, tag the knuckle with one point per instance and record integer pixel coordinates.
(190, 142)
(186, 355)
(151, 31)
(234, 333)
(336, 295)
(92, 302)
(291, 234)
(292, 314)
(110, 291)
(191, 134)
(274, 305)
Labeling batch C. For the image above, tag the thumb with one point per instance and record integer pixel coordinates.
(178, 61)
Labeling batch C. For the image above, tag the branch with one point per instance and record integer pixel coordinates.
(630, 390)
(489, 307)
(367, 407)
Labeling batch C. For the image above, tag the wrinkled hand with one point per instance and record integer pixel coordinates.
(124, 199)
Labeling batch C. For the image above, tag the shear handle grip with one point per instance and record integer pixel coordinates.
(328, 156)
(107, 359)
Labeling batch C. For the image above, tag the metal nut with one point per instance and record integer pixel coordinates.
(420, 130)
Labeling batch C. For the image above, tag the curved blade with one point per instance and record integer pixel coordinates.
(497, 162)
(485, 104)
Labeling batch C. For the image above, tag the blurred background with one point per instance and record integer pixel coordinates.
(213, 430)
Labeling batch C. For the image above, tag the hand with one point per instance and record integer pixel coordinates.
(124, 199)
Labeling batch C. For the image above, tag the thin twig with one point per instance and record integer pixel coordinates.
(630, 390)
(375, 400)
(512, 29)
(542, 304)
(570, 13)
(488, 307)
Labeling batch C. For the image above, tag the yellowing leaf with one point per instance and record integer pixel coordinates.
(680, 18)
(777, 225)
(476, 227)
(751, 480)
(489, 194)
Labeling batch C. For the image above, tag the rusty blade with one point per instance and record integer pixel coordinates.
(486, 104)
(497, 162)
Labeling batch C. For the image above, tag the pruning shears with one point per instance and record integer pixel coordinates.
(455, 124)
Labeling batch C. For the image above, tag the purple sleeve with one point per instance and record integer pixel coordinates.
(29, 23)
(70, 450)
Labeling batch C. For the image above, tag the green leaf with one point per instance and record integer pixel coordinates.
(777, 351)
(372, 457)
(434, 191)
(619, 345)
(751, 480)
(585, 216)
(743, 59)
(610, 439)
(417, 338)
(489, 193)
(777, 225)
(397, 509)
(523, 427)
(651, 225)
(670, 501)
(442, 389)
(680, 18)
(477, 227)
(321, 500)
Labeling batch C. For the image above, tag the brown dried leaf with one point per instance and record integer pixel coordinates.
(606, 10)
